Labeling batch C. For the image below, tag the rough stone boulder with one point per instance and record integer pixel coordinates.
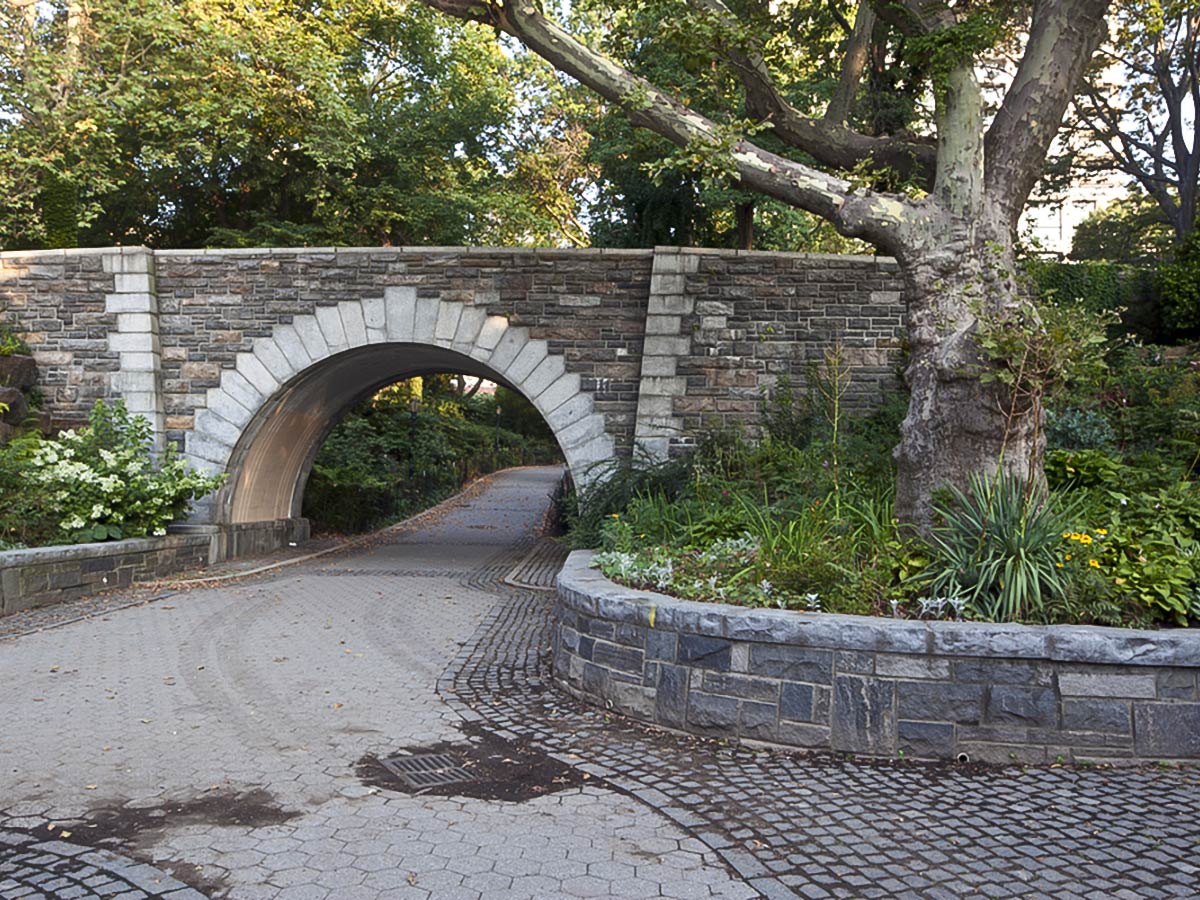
(18, 372)
(18, 406)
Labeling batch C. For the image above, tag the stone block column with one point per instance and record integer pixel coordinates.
(135, 339)
(657, 425)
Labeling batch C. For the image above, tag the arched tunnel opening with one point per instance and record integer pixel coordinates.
(274, 455)
(415, 443)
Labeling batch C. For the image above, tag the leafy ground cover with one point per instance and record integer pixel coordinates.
(802, 518)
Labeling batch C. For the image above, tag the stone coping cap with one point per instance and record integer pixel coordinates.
(585, 590)
(35, 556)
(578, 252)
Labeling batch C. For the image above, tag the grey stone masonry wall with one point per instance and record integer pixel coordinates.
(43, 576)
(56, 300)
(748, 319)
(879, 687)
(30, 579)
(159, 328)
(587, 305)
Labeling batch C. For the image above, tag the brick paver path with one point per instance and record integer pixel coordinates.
(217, 743)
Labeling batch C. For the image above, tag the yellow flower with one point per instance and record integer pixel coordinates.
(1059, 565)
(616, 515)
(1094, 563)
(1068, 556)
(1101, 531)
(1066, 534)
(1085, 539)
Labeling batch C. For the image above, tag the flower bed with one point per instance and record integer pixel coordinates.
(879, 687)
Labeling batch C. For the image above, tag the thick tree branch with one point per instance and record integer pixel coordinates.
(826, 140)
(876, 217)
(959, 184)
(1063, 35)
(854, 60)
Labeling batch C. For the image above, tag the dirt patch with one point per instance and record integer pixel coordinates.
(134, 830)
(498, 769)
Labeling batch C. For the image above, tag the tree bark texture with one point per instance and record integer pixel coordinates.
(959, 422)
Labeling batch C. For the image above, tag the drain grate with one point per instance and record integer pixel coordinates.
(428, 770)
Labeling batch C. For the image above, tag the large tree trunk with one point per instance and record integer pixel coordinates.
(959, 423)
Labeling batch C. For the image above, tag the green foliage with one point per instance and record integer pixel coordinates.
(1180, 279)
(615, 487)
(997, 549)
(1099, 287)
(1037, 352)
(203, 122)
(806, 536)
(11, 343)
(647, 192)
(1128, 230)
(785, 417)
(947, 49)
(1114, 543)
(59, 205)
(26, 515)
(1151, 402)
(95, 484)
(1143, 543)
(1078, 429)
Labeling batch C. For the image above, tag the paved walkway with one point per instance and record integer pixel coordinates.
(231, 741)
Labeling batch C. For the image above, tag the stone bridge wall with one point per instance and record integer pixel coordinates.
(666, 343)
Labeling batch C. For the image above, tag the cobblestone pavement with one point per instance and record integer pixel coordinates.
(218, 735)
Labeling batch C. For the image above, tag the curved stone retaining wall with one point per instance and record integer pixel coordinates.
(879, 687)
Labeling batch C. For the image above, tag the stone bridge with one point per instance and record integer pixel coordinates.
(247, 358)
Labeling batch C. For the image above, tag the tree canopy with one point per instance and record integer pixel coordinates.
(201, 122)
(1139, 108)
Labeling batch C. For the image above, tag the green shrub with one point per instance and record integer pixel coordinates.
(1100, 287)
(1152, 401)
(96, 484)
(614, 486)
(1180, 280)
(998, 549)
(786, 418)
(1078, 429)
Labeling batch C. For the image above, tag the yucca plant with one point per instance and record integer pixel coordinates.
(998, 548)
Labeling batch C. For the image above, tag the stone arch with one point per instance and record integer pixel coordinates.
(265, 421)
